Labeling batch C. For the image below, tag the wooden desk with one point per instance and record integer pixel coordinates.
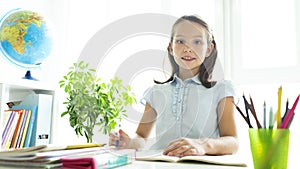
(167, 165)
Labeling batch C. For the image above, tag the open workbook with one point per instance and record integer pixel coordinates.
(231, 160)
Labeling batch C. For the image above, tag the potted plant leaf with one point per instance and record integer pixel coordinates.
(91, 102)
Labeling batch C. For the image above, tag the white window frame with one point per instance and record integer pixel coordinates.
(231, 49)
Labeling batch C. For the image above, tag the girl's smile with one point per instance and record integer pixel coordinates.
(188, 58)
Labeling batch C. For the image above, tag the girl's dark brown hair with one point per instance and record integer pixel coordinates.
(206, 68)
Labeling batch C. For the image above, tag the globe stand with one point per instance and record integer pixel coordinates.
(28, 76)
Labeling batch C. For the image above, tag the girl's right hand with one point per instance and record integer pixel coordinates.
(121, 138)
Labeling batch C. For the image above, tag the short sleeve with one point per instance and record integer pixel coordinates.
(226, 89)
(146, 98)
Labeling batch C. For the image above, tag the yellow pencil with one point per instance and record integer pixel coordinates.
(279, 107)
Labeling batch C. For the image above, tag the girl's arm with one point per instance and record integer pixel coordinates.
(144, 129)
(142, 133)
(227, 125)
(226, 144)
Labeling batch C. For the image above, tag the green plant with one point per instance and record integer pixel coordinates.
(91, 102)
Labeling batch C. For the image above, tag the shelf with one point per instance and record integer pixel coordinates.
(28, 84)
(18, 90)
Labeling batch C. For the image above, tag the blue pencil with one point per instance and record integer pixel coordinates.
(286, 109)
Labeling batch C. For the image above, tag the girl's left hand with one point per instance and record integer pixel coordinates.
(185, 147)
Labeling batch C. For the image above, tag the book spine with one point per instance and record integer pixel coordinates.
(25, 129)
(11, 131)
(18, 127)
(25, 112)
(30, 126)
(7, 126)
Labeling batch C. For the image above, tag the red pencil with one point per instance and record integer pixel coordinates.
(289, 115)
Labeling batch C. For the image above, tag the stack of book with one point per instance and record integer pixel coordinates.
(16, 127)
(91, 156)
(29, 123)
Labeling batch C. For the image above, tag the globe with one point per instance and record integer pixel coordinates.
(25, 39)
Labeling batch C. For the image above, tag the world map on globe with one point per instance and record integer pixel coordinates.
(25, 38)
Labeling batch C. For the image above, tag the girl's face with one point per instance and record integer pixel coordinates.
(189, 46)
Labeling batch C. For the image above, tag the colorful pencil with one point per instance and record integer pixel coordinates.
(242, 114)
(254, 113)
(271, 120)
(246, 108)
(286, 110)
(278, 114)
(289, 115)
(265, 116)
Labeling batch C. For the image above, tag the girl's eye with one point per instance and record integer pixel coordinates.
(179, 41)
(197, 42)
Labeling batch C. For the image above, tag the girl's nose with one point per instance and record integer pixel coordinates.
(187, 49)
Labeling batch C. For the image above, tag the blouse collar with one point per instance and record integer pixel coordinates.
(194, 79)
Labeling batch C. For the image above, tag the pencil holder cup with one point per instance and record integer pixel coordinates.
(269, 148)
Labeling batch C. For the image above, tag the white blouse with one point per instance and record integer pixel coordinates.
(186, 109)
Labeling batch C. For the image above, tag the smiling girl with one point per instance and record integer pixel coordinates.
(193, 114)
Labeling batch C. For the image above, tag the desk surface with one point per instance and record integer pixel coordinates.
(167, 165)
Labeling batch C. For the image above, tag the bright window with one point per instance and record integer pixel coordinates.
(264, 41)
(268, 37)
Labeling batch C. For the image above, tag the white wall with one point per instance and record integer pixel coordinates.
(219, 16)
(54, 19)
(52, 68)
(76, 22)
(86, 18)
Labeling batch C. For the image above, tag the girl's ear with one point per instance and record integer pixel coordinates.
(210, 48)
(170, 49)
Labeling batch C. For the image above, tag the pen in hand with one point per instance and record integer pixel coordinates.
(118, 135)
